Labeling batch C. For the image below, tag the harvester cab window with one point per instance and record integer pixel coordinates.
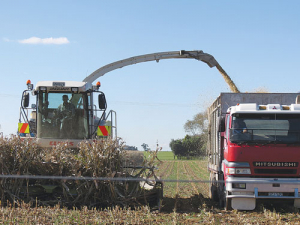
(265, 128)
(62, 115)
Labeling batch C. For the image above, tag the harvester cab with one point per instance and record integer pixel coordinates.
(64, 112)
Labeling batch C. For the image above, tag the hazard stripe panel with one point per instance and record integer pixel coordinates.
(103, 130)
(23, 128)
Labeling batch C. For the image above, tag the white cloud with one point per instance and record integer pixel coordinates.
(6, 39)
(36, 40)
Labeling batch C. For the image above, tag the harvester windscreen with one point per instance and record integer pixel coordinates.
(62, 116)
(265, 128)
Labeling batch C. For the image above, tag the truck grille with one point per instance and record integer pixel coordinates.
(275, 171)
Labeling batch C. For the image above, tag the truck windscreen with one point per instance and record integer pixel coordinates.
(265, 128)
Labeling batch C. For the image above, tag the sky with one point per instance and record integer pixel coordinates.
(256, 42)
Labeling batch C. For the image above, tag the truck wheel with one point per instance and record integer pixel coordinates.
(224, 203)
(227, 204)
(213, 190)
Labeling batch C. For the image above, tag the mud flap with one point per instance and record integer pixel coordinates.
(243, 203)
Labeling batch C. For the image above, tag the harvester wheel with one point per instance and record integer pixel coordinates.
(57, 192)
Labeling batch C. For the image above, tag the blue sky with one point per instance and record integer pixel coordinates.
(256, 42)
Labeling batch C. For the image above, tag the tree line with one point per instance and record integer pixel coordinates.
(194, 143)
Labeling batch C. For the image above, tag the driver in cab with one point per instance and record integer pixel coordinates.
(66, 112)
(239, 127)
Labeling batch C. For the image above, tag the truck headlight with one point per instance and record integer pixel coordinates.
(232, 171)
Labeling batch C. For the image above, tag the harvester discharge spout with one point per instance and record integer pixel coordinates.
(196, 54)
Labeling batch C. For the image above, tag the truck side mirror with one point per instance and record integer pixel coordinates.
(26, 100)
(101, 101)
(222, 124)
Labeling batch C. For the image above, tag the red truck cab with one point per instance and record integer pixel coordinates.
(259, 155)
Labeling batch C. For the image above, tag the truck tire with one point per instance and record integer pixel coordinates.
(224, 203)
(213, 188)
(227, 204)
